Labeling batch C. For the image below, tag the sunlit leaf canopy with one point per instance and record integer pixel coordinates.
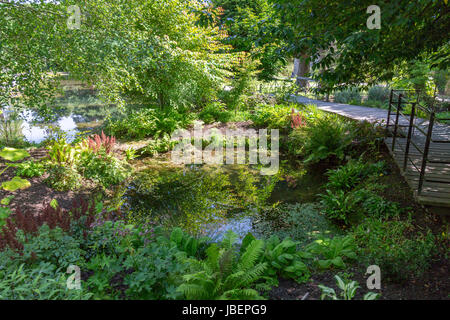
(151, 52)
(335, 34)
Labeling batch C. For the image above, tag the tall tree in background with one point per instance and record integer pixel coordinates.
(141, 51)
(355, 54)
(245, 21)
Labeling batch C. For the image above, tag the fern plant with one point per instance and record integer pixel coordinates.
(193, 247)
(224, 275)
(282, 259)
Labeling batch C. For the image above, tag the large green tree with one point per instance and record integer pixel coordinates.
(244, 23)
(337, 38)
(153, 52)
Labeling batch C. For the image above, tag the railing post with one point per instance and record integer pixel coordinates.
(399, 105)
(390, 109)
(410, 130)
(425, 151)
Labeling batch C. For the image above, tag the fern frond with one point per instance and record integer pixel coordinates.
(229, 240)
(251, 255)
(226, 263)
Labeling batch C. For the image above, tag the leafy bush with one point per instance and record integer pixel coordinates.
(327, 137)
(396, 246)
(348, 176)
(147, 123)
(154, 147)
(339, 205)
(379, 93)
(378, 207)
(193, 247)
(157, 270)
(62, 153)
(332, 252)
(103, 169)
(30, 169)
(283, 259)
(351, 95)
(215, 112)
(272, 116)
(63, 178)
(136, 125)
(42, 282)
(224, 274)
(375, 104)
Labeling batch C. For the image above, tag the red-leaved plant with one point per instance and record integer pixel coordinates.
(30, 223)
(97, 142)
(297, 120)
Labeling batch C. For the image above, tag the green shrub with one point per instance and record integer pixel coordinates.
(375, 104)
(325, 138)
(157, 271)
(63, 178)
(331, 252)
(147, 123)
(272, 117)
(53, 246)
(380, 94)
(103, 169)
(161, 145)
(348, 291)
(283, 259)
(42, 282)
(348, 176)
(30, 169)
(215, 112)
(339, 205)
(397, 247)
(225, 274)
(378, 207)
(351, 95)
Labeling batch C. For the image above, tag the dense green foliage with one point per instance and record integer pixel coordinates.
(350, 96)
(349, 53)
(396, 246)
(141, 51)
(159, 230)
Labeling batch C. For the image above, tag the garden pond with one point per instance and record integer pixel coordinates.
(205, 200)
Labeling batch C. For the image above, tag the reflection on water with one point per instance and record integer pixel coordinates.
(78, 109)
(210, 200)
(199, 198)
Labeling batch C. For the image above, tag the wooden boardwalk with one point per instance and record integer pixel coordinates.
(436, 185)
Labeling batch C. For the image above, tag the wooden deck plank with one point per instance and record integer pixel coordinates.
(436, 186)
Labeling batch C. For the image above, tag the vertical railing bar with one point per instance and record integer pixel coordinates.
(408, 140)
(390, 109)
(426, 150)
(399, 105)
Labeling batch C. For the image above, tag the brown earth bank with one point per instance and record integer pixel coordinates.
(433, 285)
(38, 195)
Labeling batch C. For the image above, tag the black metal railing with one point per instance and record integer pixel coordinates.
(416, 132)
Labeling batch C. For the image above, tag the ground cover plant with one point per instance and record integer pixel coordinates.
(93, 205)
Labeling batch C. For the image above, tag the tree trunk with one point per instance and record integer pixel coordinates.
(304, 70)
